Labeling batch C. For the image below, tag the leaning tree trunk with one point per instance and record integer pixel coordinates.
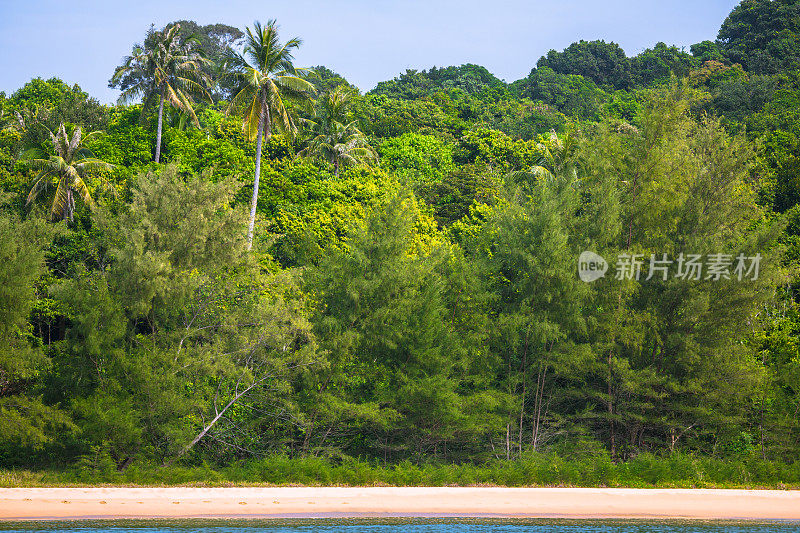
(263, 122)
(213, 421)
(158, 131)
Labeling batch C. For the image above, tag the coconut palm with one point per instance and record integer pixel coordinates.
(266, 81)
(66, 169)
(337, 141)
(165, 69)
(553, 155)
(335, 107)
(342, 145)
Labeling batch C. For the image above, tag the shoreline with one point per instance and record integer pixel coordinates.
(418, 502)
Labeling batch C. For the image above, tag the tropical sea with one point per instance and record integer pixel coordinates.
(404, 525)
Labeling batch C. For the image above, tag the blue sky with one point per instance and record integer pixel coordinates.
(82, 41)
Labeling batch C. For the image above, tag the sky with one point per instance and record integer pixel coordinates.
(82, 41)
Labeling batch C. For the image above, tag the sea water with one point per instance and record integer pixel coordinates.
(399, 525)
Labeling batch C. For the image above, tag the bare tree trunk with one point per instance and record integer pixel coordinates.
(508, 441)
(611, 428)
(761, 421)
(535, 421)
(538, 401)
(263, 121)
(610, 360)
(69, 208)
(211, 424)
(524, 391)
(158, 130)
(675, 437)
(336, 168)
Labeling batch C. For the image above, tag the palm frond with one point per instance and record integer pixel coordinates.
(33, 153)
(280, 116)
(40, 184)
(241, 100)
(165, 59)
(70, 163)
(60, 200)
(252, 118)
(294, 83)
(79, 186)
(75, 141)
(91, 166)
(132, 94)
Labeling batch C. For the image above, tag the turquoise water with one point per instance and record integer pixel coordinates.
(368, 525)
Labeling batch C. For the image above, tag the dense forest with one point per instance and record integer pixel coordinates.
(245, 259)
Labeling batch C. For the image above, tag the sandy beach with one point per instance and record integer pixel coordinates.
(275, 502)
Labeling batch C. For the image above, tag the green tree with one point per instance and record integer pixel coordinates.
(707, 51)
(659, 63)
(553, 156)
(27, 423)
(673, 365)
(495, 149)
(404, 378)
(381, 116)
(184, 327)
(452, 196)
(325, 80)
(338, 141)
(213, 40)
(571, 94)
(58, 102)
(166, 68)
(537, 326)
(68, 168)
(604, 63)
(412, 84)
(266, 77)
(762, 35)
(417, 157)
(342, 145)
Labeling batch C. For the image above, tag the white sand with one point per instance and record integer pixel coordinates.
(187, 502)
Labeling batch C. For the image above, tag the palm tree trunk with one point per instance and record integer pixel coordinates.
(264, 114)
(158, 132)
(70, 206)
(336, 168)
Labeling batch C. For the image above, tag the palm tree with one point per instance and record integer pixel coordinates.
(553, 157)
(67, 169)
(166, 68)
(335, 107)
(265, 77)
(341, 145)
(339, 142)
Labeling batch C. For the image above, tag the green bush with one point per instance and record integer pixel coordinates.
(533, 469)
